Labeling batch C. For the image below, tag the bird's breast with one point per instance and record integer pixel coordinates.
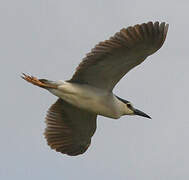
(89, 98)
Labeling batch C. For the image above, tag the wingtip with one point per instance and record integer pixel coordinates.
(166, 29)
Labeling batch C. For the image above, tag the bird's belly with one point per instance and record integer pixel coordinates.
(89, 98)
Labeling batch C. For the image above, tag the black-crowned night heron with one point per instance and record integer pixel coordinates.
(71, 121)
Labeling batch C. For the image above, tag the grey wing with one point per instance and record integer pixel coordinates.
(69, 129)
(110, 60)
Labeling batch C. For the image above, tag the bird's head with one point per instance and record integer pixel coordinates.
(130, 110)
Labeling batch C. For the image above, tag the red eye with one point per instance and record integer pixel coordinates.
(129, 105)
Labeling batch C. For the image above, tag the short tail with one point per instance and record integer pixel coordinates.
(43, 83)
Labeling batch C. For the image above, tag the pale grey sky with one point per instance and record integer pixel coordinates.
(48, 39)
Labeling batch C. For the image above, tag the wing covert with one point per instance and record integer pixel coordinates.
(110, 60)
(69, 129)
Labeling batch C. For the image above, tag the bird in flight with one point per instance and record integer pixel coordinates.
(71, 120)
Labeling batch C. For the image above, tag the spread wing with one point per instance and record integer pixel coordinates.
(69, 129)
(110, 60)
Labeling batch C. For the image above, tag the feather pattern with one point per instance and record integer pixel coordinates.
(69, 129)
(110, 60)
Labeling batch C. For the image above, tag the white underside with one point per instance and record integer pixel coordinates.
(90, 98)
